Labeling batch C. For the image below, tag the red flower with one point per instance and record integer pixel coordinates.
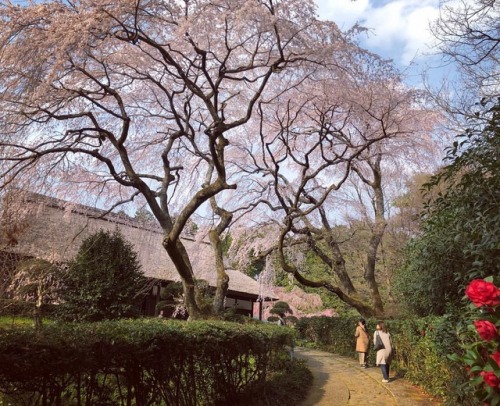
(491, 379)
(496, 357)
(486, 329)
(483, 293)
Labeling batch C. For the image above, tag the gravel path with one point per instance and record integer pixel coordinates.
(339, 380)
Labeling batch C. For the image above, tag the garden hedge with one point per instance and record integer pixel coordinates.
(139, 362)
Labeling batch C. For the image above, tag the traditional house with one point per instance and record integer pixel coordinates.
(53, 229)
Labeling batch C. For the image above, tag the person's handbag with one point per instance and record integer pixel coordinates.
(379, 345)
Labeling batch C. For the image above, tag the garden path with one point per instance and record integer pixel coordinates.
(339, 381)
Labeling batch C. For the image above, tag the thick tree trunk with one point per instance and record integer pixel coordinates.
(378, 230)
(215, 239)
(371, 258)
(338, 266)
(178, 255)
(352, 300)
(362, 307)
(336, 260)
(222, 278)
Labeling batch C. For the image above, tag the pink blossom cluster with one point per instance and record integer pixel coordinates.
(487, 296)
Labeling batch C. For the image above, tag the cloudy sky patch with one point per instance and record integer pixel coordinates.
(399, 29)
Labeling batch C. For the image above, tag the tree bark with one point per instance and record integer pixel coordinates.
(363, 308)
(179, 256)
(215, 240)
(222, 278)
(378, 230)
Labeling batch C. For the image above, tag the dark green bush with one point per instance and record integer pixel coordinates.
(459, 239)
(16, 308)
(154, 362)
(332, 333)
(286, 385)
(103, 281)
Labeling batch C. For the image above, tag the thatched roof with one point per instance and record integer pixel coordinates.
(239, 283)
(54, 230)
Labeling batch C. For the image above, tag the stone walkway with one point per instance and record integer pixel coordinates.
(341, 381)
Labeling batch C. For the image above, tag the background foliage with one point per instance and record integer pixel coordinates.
(460, 237)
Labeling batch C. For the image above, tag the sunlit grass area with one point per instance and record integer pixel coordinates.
(18, 321)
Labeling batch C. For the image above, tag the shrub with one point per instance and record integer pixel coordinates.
(104, 280)
(286, 385)
(281, 308)
(152, 361)
(460, 238)
(480, 342)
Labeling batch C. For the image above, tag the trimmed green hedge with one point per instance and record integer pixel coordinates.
(146, 362)
(421, 349)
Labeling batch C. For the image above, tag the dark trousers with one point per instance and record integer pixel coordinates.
(385, 370)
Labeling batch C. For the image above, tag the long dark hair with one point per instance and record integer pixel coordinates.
(363, 323)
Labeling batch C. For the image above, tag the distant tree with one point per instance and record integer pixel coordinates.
(104, 281)
(144, 215)
(281, 308)
(469, 35)
(460, 237)
(36, 281)
(408, 206)
(340, 171)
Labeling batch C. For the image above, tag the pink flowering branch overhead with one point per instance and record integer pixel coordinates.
(135, 102)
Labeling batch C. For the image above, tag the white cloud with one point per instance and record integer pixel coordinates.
(399, 28)
(344, 12)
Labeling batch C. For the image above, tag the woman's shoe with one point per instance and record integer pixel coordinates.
(385, 380)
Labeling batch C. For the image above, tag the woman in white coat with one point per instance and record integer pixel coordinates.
(384, 356)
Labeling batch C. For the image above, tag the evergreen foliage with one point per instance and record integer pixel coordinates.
(460, 239)
(104, 281)
(281, 308)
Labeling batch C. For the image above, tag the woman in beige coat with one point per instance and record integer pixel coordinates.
(362, 342)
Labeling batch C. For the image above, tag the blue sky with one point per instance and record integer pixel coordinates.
(399, 30)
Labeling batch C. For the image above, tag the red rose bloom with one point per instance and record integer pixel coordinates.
(496, 357)
(483, 293)
(491, 379)
(486, 329)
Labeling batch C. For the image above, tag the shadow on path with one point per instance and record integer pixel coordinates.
(339, 380)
